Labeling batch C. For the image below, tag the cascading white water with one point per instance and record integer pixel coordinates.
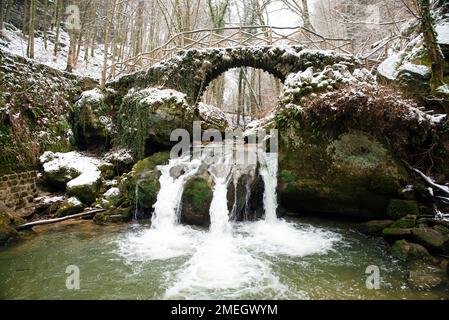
(269, 172)
(229, 260)
(166, 208)
(166, 238)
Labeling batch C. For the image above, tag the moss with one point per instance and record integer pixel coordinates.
(199, 193)
(142, 186)
(407, 251)
(400, 208)
(116, 215)
(408, 221)
(321, 174)
(196, 201)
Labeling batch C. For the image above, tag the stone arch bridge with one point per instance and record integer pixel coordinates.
(191, 71)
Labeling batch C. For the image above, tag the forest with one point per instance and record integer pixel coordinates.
(224, 150)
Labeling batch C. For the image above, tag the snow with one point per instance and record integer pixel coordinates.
(159, 96)
(443, 33)
(389, 68)
(16, 44)
(212, 114)
(74, 202)
(86, 168)
(112, 193)
(119, 156)
(94, 95)
(421, 70)
(53, 200)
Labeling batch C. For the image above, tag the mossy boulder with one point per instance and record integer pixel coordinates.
(196, 201)
(408, 221)
(116, 215)
(432, 239)
(407, 251)
(92, 117)
(141, 185)
(398, 209)
(375, 227)
(148, 118)
(85, 190)
(394, 234)
(352, 175)
(70, 206)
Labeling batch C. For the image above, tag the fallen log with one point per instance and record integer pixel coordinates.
(50, 221)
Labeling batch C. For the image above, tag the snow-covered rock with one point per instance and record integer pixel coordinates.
(70, 206)
(82, 175)
(212, 117)
(149, 116)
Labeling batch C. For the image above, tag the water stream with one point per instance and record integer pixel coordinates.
(268, 259)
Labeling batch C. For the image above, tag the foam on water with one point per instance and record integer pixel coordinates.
(231, 260)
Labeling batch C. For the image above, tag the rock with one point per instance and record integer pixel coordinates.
(414, 78)
(121, 159)
(425, 276)
(196, 201)
(8, 221)
(111, 198)
(92, 121)
(394, 234)
(408, 221)
(407, 251)
(141, 185)
(432, 239)
(212, 117)
(441, 229)
(148, 118)
(48, 204)
(375, 227)
(116, 215)
(353, 175)
(69, 207)
(80, 175)
(398, 209)
(245, 198)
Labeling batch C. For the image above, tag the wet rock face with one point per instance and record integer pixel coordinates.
(93, 127)
(196, 201)
(141, 186)
(353, 175)
(245, 198)
(148, 118)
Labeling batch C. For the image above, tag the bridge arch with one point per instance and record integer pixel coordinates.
(191, 71)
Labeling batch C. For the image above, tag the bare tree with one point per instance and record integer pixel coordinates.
(30, 49)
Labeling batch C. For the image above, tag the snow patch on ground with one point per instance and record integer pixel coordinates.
(17, 44)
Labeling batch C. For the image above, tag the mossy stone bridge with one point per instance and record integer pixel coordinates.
(192, 71)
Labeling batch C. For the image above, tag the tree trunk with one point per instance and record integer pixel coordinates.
(1, 16)
(433, 48)
(45, 26)
(306, 15)
(58, 26)
(30, 51)
(25, 17)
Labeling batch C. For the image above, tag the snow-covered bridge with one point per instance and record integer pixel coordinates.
(191, 71)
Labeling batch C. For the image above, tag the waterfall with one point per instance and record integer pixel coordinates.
(219, 212)
(167, 206)
(269, 171)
